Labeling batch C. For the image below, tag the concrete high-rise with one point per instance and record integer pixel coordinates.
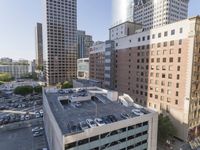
(84, 44)
(150, 13)
(39, 45)
(60, 40)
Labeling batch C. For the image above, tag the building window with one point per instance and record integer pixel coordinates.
(165, 44)
(173, 32)
(176, 102)
(177, 85)
(169, 93)
(179, 59)
(179, 50)
(169, 76)
(138, 39)
(153, 36)
(180, 42)
(171, 43)
(166, 33)
(178, 76)
(163, 75)
(157, 75)
(171, 59)
(159, 35)
(178, 68)
(143, 38)
(181, 30)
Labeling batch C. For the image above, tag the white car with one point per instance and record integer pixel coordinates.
(99, 122)
(91, 123)
(37, 129)
(37, 114)
(41, 112)
(137, 112)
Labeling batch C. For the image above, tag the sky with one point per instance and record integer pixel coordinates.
(18, 19)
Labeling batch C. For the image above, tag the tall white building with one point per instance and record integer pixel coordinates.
(150, 13)
(155, 13)
(60, 40)
(122, 11)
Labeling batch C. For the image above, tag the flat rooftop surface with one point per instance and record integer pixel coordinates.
(65, 113)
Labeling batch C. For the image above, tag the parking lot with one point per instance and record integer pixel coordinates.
(21, 139)
(15, 108)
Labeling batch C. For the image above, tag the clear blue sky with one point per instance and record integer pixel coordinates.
(18, 18)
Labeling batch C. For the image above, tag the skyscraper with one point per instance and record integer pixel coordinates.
(122, 10)
(155, 13)
(39, 45)
(150, 13)
(84, 44)
(60, 40)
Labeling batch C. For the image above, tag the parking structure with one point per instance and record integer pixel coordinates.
(95, 118)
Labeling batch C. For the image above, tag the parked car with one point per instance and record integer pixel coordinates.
(106, 120)
(22, 118)
(37, 114)
(37, 133)
(27, 117)
(137, 112)
(112, 118)
(37, 129)
(1, 121)
(99, 121)
(91, 123)
(83, 125)
(125, 115)
(41, 112)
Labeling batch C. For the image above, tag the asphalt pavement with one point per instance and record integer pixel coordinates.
(21, 139)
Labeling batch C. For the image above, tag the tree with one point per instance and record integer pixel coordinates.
(38, 89)
(166, 130)
(66, 85)
(23, 90)
(5, 77)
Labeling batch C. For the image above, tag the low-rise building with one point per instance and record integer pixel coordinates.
(15, 70)
(83, 68)
(94, 118)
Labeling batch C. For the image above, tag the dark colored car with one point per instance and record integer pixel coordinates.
(112, 118)
(106, 120)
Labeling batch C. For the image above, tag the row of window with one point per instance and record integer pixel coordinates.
(159, 35)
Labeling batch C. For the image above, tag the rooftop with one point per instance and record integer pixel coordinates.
(72, 106)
